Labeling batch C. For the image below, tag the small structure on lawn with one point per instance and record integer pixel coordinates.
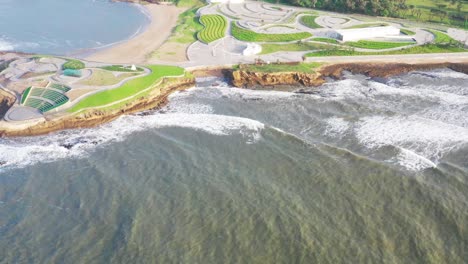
(252, 49)
(133, 68)
(356, 34)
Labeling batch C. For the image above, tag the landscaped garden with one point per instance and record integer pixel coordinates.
(367, 44)
(298, 46)
(369, 25)
(121, 68)
(129, 88)
(309, 21)
(441, 38)
(249, 35)
(73, 65)
(215, 28)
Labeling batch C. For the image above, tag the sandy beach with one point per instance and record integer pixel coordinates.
(137, 49)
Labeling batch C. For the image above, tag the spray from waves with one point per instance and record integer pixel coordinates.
(77, 143)
(422, 142)
(6, 46)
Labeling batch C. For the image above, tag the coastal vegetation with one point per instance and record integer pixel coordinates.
(128, 89)
(309, 21)
(428, 48)
(215, 28)
(280, 67)
(249, 35)
(368, 44)
(188, 25)
(73, 64)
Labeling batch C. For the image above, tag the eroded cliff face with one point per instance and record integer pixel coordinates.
(6, 101)
(254, 79)
(97, 117)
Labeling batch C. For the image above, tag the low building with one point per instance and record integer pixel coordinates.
(356, 34)
(252, 49)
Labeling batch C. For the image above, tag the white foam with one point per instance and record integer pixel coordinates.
(336, 127)
(6, 46)
(427, 138)
(413, 161)
(26, 151)
(445, 74)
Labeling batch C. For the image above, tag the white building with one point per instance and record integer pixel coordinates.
(356, 34)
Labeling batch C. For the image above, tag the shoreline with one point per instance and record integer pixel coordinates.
(137, 48)
(238, 78)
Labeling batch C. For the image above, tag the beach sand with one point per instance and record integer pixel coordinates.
(139, 48)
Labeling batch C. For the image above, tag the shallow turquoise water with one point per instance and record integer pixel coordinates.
(66, 27)
(357, 171)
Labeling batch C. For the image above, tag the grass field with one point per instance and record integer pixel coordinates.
(187, 26)
(441, 38)
(367, 44)
(129, 88)
(429, 48)
(73, 65)
(103, 78)
(368, 25)
(272, 68)
(407, 32)
(309, 21)
(301, 46)
(326, 40)
(249, 35)
(215, 28)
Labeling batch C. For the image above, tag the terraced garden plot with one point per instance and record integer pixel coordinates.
(367, 44)
(252, 36)
(215, 28)
(309, 21)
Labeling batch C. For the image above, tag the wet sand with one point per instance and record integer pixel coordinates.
(138, 49)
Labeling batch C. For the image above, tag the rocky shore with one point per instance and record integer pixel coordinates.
(261, 80)
(94, 117)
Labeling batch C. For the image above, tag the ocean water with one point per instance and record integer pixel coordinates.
(355, 171)
(59, 27)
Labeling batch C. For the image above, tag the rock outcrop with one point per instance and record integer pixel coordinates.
(254, 79)
(250, 79)
(6, 101)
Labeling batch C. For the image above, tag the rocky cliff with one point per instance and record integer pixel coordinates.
(249, 79)
(254, 79)
(6, 101)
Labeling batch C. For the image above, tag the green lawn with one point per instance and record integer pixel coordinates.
(187, 26)
(249, 35)
(272, 68)
(309, 21)
(407, 32)
(425, 6)
(326, 40)
(429, 48)
(300, 46)
(129, 88)
(73, 65)
(215, 28)
(368, 25)
(441, 38)
(367, 44)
